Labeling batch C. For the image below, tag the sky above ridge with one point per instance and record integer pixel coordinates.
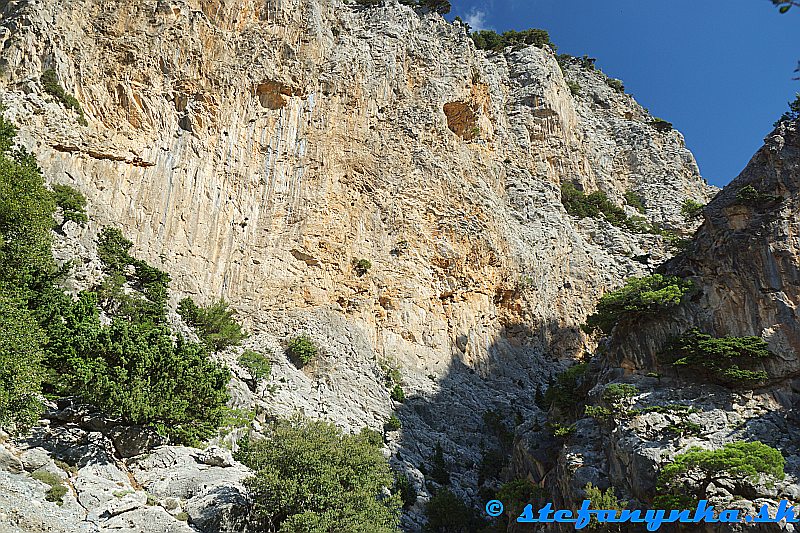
(721, 72)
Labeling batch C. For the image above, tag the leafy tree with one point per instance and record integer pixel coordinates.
(442, 7)
(397, 394)
(309, 477)
(686, 479)
(719, 359)
(518, 493)
(71, 202)
(617, 393)
(582, 205)
(20, 366)
(447, 513)
(639, 298)
(215, 324)
(256, 363)
(393, 424)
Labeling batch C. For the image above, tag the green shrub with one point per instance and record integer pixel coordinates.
(617, 393)
(214, 324)
(497, 425)
(518, 493)
(398, 395)
(661, 125)
(151, 283)
(393, 424)
(635, 201)
(53, 88)
(603, 500)
(574, 87)
(491, 40)
(437, 6)
(598, 412)
(311, 477)
(492, 463)
(447, 513)
(371, 436)
(565, 393)
(591, 205)
(616, 84)
(183, 516)
(136, 372)
(719, 359)
(302, 350)
(21, 354)
(440, 470)
(405, 489)
(57, 490)
(683, 428)
(691, 210)
(71, 202)
(749, 195)
(256, 364)
(687, 478)
(639, 298)
(562, 431)
(361, 266)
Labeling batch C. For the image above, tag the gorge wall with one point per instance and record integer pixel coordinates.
(255, 150)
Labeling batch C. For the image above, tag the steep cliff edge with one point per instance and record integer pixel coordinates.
(256, 150)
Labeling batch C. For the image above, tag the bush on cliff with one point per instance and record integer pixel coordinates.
(639, 298)
(723, 360)
(685, 481)
(491, 40)
(215, 324)
(309, 476)
(71, 202)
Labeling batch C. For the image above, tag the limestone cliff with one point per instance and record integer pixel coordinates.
(254, 150)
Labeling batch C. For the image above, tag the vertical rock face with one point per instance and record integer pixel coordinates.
(254, 150)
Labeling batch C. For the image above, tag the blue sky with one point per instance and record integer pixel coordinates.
(721, 71)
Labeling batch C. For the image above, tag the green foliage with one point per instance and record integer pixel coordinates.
(447, 513)
(639, 298)
(405, 489)
(617, 393)
(393, 424)
(491, 40)
(497, 425)
(683, 428)
(686, 479)
(574, 87)
(361, 266)
(593, 205)
(719, 359)
(635, 201)
(749, 195)
(437, 6)
(518, 493)
(691, 210)
(134, 371)
(53, 88)
(7, 133)
(603, 500)
(21, 371)
(565, 394)
(793, 113)
(57, 489)
(309, 477)
(598, 412)
(492, 463)
(397, 394)
(562, 431)
(661, 125)
(256, 364)
(302, 350)
(148, 306)
(214, 324)
(71, 202)
(616, 84)
(785, 5)
(440, 470)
